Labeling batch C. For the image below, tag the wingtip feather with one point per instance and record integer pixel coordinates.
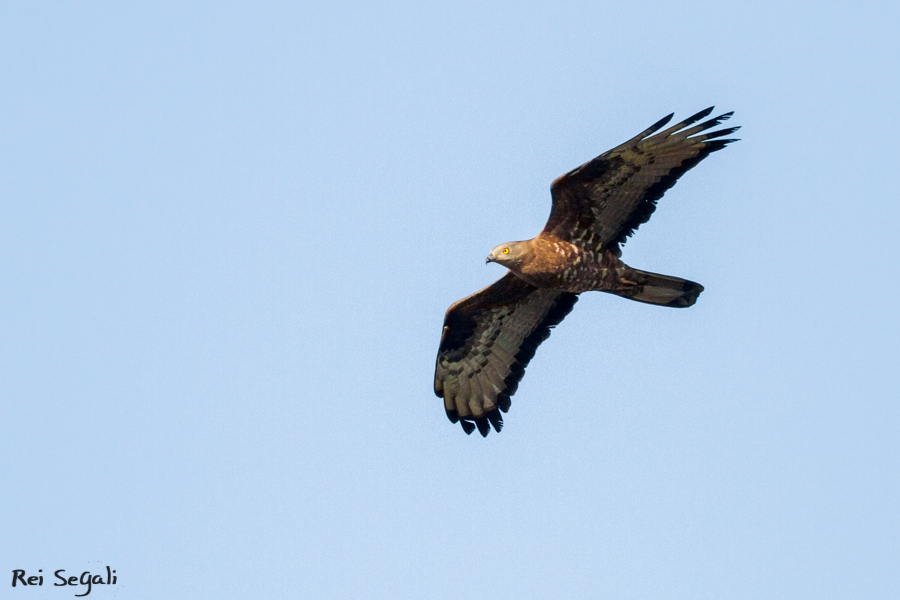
(699, 115)
(716, 134)
(496, 420)
(658, 125)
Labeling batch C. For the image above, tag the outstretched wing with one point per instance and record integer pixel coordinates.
(487, 341)
(604, 201)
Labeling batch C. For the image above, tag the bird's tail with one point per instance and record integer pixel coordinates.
(661, 290)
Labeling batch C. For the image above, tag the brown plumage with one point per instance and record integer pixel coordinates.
(489, 337)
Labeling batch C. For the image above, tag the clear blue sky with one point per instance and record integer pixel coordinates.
(230, 232)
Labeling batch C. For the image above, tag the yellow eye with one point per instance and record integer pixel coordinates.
(506, 251)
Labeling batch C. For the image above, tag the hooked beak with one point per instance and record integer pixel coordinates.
(488, 259)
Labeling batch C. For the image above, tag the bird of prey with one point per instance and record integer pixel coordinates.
(489, 337)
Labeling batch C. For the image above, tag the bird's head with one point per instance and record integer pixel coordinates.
(508, 254)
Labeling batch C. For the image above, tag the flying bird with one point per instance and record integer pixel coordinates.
(489, 337)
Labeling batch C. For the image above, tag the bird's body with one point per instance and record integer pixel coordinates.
(569, 267)
(552, 263)
(489, 337)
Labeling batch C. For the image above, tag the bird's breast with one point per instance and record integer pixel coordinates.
(564, 266)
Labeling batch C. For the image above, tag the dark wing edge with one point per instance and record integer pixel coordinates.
(488, 339)
(608, 198)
